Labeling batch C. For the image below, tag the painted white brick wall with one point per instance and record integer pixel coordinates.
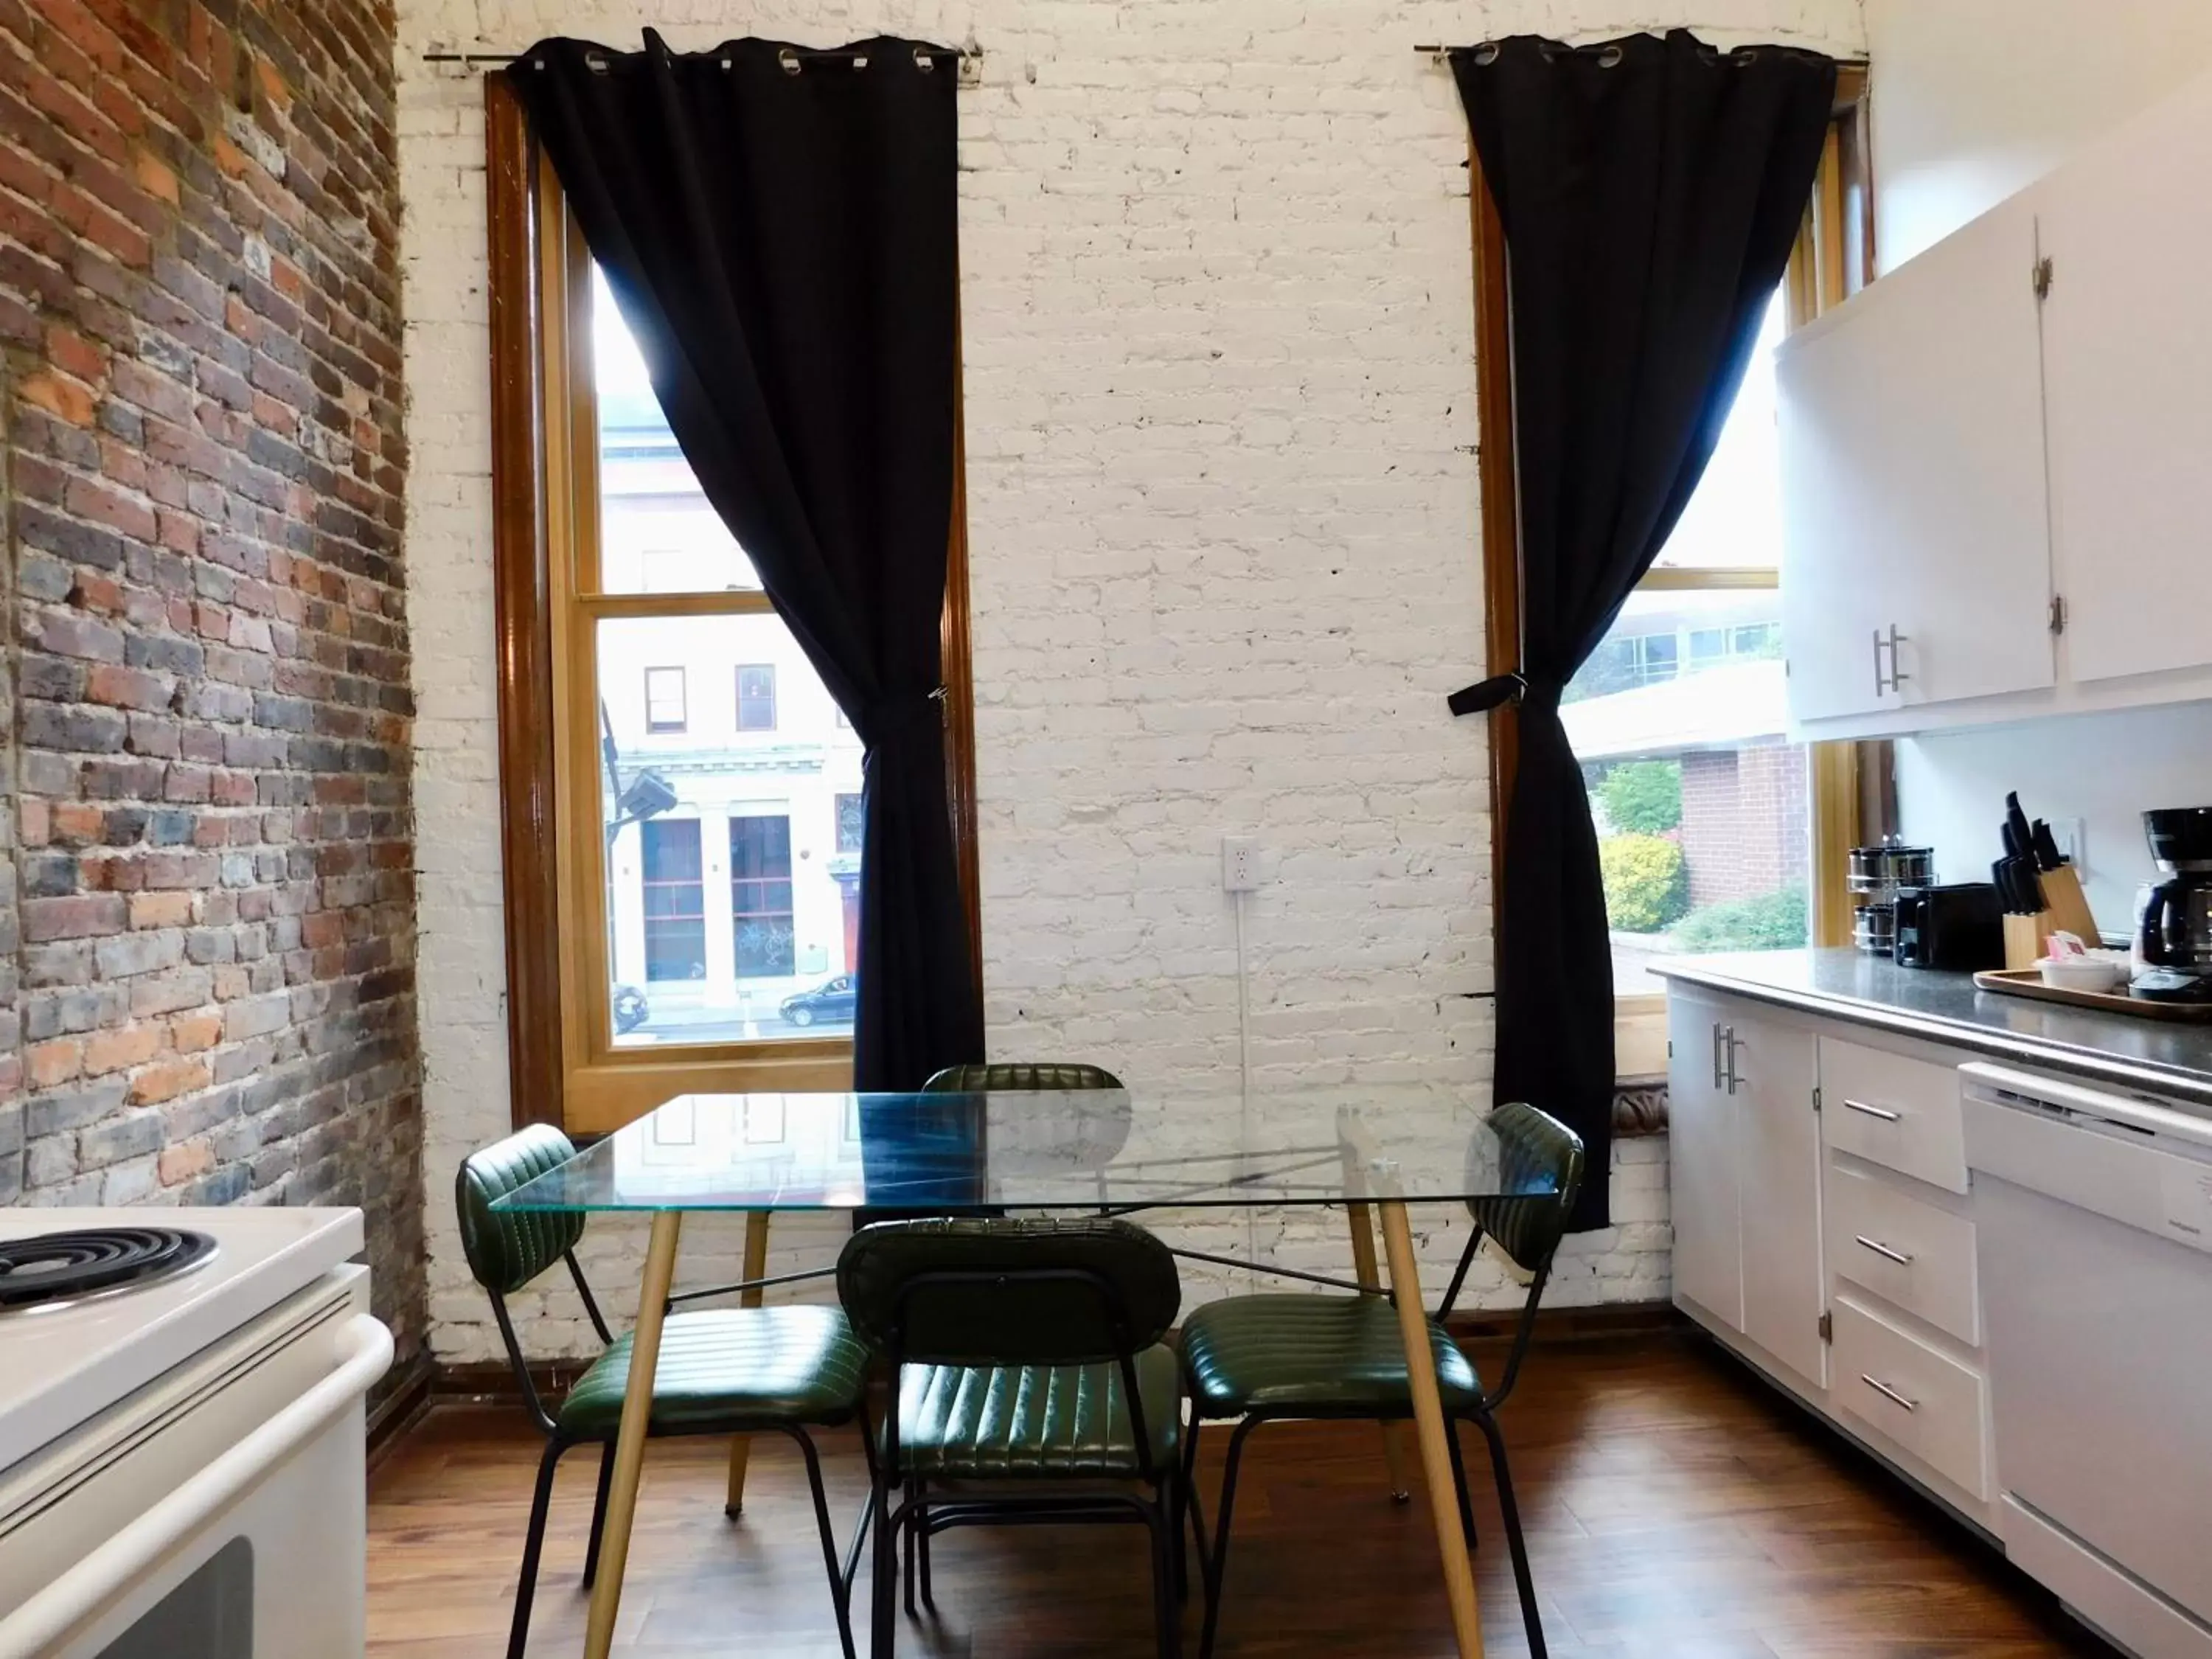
(1220, 422)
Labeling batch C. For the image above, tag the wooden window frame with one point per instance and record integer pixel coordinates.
(1851, 796)
(563, 1065)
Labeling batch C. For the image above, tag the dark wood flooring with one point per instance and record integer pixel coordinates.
(1676, 1507)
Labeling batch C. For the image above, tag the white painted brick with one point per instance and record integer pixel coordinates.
(1220, 422)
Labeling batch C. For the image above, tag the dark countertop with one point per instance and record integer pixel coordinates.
(2168, 1057)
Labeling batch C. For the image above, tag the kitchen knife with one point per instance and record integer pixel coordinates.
(2019, 840)
(2047, 856)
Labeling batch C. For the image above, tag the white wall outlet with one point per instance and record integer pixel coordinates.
(2072, 836)
(1240, 864)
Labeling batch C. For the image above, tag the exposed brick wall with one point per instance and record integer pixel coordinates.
(1745, 822)
(1216, 306)
(209, 776)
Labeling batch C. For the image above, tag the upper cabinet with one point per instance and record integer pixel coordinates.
(2127, 342)
(1991, 464)
(1916, 561)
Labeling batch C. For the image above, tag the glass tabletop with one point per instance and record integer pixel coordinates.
(1079, 1150)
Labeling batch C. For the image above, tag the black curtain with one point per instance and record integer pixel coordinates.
(1649, 191)
(779, 229)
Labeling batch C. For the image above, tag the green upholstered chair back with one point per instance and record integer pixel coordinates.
(506, 1250)
(994, 1290)
(1008, 1075)
(1536, 1152)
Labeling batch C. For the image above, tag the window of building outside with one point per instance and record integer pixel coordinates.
(747, 801)
(1702, 807)
(663, 699)
(757, 697)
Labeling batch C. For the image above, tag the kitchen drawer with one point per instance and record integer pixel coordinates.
(1904, 1250)
(1925, 1401)
(1900, 1113)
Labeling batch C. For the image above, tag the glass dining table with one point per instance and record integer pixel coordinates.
(1370, 1150)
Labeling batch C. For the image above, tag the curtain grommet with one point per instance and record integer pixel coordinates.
(924, 62)
(1610, 57)
(1485, 54)
(789, 59)
(860, 60)
(1744, 58)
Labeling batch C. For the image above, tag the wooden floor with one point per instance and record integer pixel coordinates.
(1675, 1508)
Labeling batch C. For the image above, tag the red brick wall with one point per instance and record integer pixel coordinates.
(1745, 823)
(207, 950)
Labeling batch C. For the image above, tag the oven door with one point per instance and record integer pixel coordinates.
(219, 1514)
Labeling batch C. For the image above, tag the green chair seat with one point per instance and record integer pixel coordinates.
(997, 1422)
(1327, 1355)
(736, 1367)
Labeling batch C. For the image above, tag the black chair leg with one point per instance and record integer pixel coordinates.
(1218, 1567)
(912, 1530)
(599, 1511)
(533, 1543)
(922, 1546)
(1167, 1605)
(1529, 1615)
(1188, 1493)
(883, 1591)
(838, 1598)
(1458, 1482)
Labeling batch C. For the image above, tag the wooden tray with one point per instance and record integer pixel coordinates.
(2029, 982)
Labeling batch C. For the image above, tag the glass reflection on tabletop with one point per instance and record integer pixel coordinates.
(1040, 1149)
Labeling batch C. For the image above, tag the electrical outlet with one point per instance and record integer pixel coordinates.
(2072, 836)
(1240, 864)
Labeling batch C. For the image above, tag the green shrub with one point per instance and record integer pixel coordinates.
(1645, 884)
(1644, 797)
(1766, 922)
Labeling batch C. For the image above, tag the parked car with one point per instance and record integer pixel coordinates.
(631, 1010)
(832, 1000)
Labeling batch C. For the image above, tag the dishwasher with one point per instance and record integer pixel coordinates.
(2093, 1213)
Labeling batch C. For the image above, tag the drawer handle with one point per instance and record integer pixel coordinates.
(1884, 1390)
(1883, 1250)
(1882, 1112)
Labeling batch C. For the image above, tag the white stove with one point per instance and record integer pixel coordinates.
(180, 1433)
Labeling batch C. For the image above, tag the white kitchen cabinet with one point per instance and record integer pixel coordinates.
(1746, 1175)
(1778, 1171)
(1703, 1199)
(1917, 561)
(2128, 366)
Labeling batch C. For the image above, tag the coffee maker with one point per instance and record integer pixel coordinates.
(2175, 935)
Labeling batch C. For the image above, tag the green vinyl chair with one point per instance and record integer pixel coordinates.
(1029, 1384)
(1277, 1359)
(725, 1371)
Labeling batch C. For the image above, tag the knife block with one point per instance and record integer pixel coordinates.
(2068, 912)
(2024, 936)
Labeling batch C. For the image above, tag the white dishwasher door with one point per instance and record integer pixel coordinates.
(2094, 1221)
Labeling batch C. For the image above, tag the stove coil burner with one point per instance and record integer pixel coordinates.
(55, 1266)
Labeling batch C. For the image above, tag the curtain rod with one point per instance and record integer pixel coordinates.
(791, 57)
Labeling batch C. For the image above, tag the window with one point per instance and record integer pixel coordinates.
(849, 824)
(631, 979)
(1715, 833)
(760, 898)
(663, 699)
(674, 906)
(756, 698)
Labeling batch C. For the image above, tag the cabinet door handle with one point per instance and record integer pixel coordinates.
(1881, 680)
(1718, 1079)
(1882, 1112)
(1897, 676)
(1889, 1393)
(1883, 1250)
(1729, 1041)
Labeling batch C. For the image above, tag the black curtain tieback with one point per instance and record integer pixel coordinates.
(1486, 694)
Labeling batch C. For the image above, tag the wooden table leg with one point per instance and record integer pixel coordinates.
(630, 1439)
(1363, 1268)
(1430, 1428)
(755, 1267)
